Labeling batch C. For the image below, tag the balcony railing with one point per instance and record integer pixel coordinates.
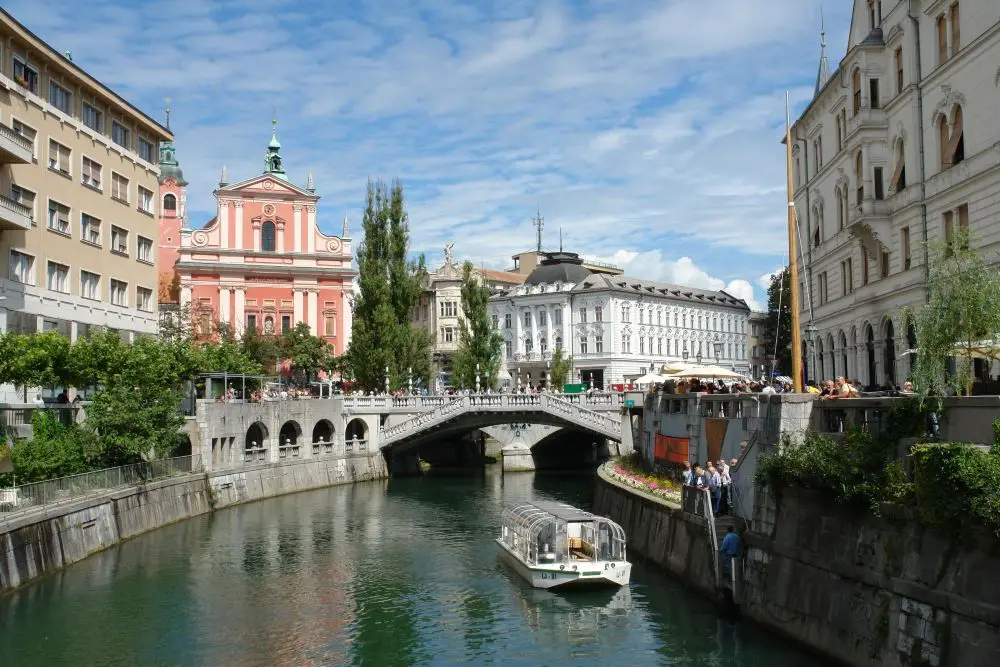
(15, 147)
(14, 215)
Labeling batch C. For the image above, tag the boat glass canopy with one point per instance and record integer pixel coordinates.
(543, 533)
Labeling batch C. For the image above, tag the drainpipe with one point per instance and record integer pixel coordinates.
(915, 23)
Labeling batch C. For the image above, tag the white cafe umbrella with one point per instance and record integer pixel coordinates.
(503, 374)
(672, 367)
(649, 378)
(706, 372)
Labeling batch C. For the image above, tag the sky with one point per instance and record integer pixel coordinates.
(647, 131)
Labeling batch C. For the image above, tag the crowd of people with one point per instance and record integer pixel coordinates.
(716, 478)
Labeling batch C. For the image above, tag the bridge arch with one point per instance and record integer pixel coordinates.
(323, 431)
(256, 436)
(290, 433)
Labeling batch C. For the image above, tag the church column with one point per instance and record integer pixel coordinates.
(239, 318)
(312, 306)
(534, 329)
(185, 293)
(256, 235)
(224, 304)
(297, 227)
(310, 229)
(281, 236)
(348, 325)
(239, 224)
(224, 223)
(297, 305)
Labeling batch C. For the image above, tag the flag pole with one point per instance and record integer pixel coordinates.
(793, 261)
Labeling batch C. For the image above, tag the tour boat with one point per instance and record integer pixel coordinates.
(553, 545)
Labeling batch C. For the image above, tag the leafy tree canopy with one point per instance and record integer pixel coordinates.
(777, 330)
(562, 366)
(961, 312)
(479, 342)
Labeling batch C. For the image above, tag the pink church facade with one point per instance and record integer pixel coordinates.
(262, 262)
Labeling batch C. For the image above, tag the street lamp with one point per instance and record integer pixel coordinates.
(698, 358)
(685, 354)
(409, 372)
(477, 378)
(387, 379)
(717, 345)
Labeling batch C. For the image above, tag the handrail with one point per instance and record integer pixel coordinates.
(692, 503)
(15, 500)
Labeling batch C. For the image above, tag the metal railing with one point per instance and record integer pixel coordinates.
(699, 503)
(63, 489)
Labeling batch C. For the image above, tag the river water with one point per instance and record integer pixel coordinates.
(403, 572)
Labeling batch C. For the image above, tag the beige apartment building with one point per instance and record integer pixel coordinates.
(900, 146)
(78, 196)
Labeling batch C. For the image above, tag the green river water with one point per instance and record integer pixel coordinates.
(403, 572)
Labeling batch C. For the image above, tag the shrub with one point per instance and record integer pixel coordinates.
(860, 471)
(957, 488)
(56, 450)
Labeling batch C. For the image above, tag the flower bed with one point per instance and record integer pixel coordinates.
(651, 484)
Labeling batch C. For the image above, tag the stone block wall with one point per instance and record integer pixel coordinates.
(48, 538)
(872, 590)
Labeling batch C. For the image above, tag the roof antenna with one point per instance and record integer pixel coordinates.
(539, 223)
(560, 239)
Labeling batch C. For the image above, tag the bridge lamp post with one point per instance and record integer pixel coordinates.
(698, 358)
(477, 378)
(685, 354)
(718, 351)
(387, 379)
(410, 372)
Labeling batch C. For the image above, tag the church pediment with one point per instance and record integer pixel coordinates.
(266, 185)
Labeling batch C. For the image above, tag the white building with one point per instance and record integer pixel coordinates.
(900, 146)
(617, 328)
(440, 309)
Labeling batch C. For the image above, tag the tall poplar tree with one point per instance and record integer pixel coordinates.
(776, 335)
(478, 340)
(384, 335)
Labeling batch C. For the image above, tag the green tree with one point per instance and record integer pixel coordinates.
(479, 342)
(561, 368)
(34, 360)
(307, 354)
(134, 423)
(56, 450)
(383, 335)
(263, 349)
(961, 311)
(777, 330)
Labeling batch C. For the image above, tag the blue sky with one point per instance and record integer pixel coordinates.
(647, 130)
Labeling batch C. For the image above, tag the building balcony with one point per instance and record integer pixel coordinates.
(868, 119)
(14, 148)
(14, 216)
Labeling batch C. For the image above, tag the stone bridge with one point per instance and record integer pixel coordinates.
(230, 434)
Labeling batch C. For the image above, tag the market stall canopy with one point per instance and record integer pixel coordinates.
(715, 372)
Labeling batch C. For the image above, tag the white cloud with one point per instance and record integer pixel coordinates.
(649, 125)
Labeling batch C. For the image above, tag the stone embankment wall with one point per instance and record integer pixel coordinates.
(659, 531)
(860, 590)
(39, 542)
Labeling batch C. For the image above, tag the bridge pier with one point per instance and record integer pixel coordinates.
(517, 458)
(406, 464)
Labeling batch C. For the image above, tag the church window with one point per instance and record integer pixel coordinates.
(330, 324)
(267, 236)
(286, 323)
(169, 202)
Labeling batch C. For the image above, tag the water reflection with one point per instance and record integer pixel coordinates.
(382, 574)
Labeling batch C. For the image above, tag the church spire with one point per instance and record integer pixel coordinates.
(224, 178)
(272, 159)
(310, 185)
(347, 229)
(823, 75)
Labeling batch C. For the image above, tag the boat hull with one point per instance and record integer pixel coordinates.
(594, 573)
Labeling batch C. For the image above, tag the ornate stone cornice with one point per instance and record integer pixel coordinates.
(297, 208)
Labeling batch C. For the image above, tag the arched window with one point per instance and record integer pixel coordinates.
(859, 176)
(840, 208)
(898, 182)
(856, 90)
(169, 202)
(956, 142)
(267, 236)
(943, 138)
